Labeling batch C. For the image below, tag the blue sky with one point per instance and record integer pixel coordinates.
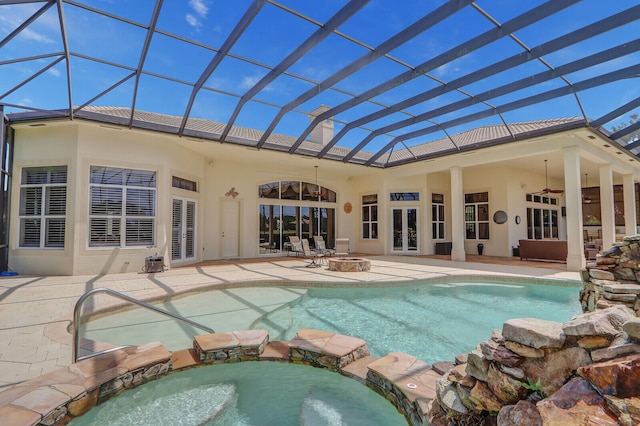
(274, 33)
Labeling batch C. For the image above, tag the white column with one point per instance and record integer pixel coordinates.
(629, 191)
(457, 215)
(573, 199)
(607, 213)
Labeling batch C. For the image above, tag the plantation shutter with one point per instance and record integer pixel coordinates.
(176, 237)
(43, 206)
(190, 227)
(122, 200)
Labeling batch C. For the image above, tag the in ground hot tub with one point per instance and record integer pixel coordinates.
(349, 264)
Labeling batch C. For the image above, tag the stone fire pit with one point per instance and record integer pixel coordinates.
(349, 264)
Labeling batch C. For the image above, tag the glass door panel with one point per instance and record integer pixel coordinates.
(289, 225)
(269, 228)
(176, 230)
(404, 230)
(190, 227)
(183, 226)
(396, 232)
(412, 229)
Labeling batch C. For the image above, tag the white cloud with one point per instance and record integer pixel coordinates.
(54, 72)
(12, 18)
(199, 7)
(35, 36)
(192, 20)
(248, 82)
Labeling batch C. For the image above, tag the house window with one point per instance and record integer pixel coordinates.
(370, 217)
(591, 213)
(43, 207)
(542, 221)
(296, 191)
(189, 185)
(122, 210)
(544, 199)
(437, 217)
(300, 216)
(476, 216)
(404, 196)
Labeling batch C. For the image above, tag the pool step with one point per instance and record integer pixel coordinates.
(245, 345)
(359, 368)
(410, 384)
(326, 349)
(276, 351)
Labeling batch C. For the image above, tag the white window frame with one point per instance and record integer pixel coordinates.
(46, 212)
(369, 229)
(438, 218)
(116, 223)
(474, 208)
(541, 208)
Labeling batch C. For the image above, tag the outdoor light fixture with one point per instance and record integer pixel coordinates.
(585, 198)
(317, 194)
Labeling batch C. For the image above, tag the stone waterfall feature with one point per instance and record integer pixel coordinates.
(536, 372)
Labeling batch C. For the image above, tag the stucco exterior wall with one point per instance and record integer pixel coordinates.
(229, 175)
(81, 145)
(34, 147)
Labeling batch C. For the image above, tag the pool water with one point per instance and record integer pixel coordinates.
(248, 393)
(431, 322)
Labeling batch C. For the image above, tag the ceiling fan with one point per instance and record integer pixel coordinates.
(546, 189)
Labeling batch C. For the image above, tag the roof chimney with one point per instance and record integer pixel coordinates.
(323, 132)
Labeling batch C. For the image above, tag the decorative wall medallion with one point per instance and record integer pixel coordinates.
(232, 193)
(347, 207)
(500, 217)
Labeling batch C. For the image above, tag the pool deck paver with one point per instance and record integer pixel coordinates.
(36, 310)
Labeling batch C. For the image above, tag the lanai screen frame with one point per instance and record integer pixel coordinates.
(413, 126)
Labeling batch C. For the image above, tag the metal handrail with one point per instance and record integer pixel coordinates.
(81, 300)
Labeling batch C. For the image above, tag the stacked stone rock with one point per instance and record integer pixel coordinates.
(613, 279)
(537, 372)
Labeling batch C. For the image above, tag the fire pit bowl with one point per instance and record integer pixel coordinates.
(349, 264)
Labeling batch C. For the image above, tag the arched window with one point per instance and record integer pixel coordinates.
(294, 208)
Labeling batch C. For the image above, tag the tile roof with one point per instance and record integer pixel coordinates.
(212, 130)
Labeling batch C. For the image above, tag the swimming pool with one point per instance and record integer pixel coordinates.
(432, 322)
(249, 393)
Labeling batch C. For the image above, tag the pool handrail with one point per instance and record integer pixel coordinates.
(78, 307)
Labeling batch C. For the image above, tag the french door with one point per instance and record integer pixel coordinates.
(183, 227)
(404, 232)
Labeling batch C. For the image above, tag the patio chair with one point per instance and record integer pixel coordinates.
(316, 258)
(342, 247)
(295, 246)
(321, 246)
